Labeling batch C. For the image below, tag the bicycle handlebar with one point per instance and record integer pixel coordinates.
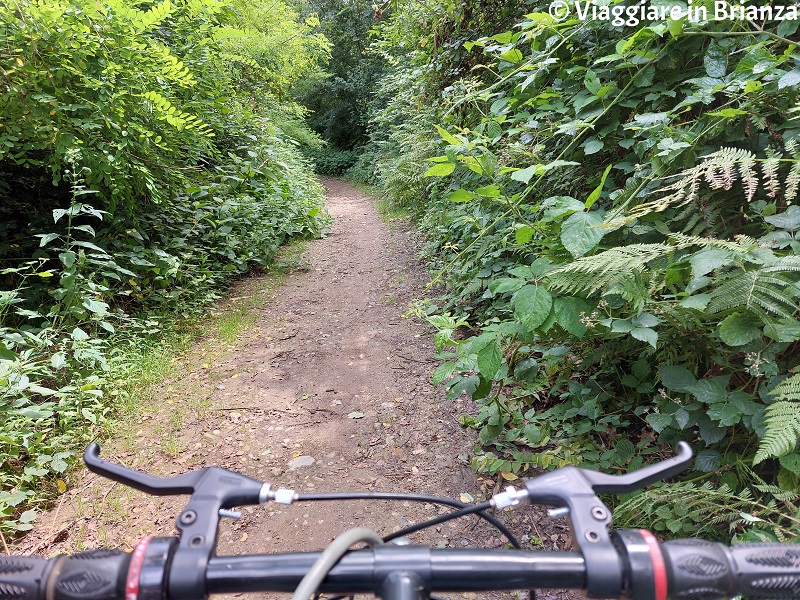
(692, 569)
(608, 564)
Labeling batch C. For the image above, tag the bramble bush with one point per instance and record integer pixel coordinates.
(147, 156)
(612, 213)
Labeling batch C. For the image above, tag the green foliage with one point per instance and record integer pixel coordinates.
(782, 421)
(331, 161)
(147, 156)
(613, 207)
(107, 89)
(337, 97)
(686, 509)
(400, 142)
(420, 48)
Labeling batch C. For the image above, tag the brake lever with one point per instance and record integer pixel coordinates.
(150, 484)
(576, 491)
(603, 483)
(212, 489)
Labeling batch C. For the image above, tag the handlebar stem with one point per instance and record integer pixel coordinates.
(404, 585)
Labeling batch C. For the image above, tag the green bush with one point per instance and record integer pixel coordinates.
(142, 166)
(331, 161)
(612, 209)
(337, 96)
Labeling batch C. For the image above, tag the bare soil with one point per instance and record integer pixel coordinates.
(330, 370)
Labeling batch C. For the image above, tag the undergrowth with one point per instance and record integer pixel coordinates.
(612, 211)
(147, 159)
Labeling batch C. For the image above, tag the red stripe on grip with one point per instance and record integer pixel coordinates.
(659, 568)
(135, 569)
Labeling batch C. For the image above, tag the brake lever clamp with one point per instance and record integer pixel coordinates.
(575, 491)
(212, 489)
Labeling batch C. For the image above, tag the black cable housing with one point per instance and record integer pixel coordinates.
(467, 510)
(471, 509)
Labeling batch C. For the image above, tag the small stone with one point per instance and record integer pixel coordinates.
(300, 462)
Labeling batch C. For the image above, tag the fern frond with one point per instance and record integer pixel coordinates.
(749, 176)
(778, 493)
(769, 171)
(682, 191)
(633, 289)
(589, 274)
(720, 170)
(745, 289)
(701, 218)
(785, 263)
(747, 476)
(793, 178)
(606, 352)
(692, 219)
(701, 508)
(741, 244)
(787, 390)
(769, 291)
(676, 347)
(782, 421)
(782, 428)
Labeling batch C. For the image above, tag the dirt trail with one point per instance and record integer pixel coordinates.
(330, 371)
(343, 378)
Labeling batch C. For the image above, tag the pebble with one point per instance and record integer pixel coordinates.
(300, 462)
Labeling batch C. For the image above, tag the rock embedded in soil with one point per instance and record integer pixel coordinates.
(301, 462)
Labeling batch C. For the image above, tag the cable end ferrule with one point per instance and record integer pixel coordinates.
(281, 495)
(511, 497)
(284, 496)
(266, 493)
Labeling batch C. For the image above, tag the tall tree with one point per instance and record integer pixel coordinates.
(338, 97)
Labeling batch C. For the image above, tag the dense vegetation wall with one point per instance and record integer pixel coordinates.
(147, 155)
(611, 207)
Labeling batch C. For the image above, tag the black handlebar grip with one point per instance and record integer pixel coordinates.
(700, 570)
(92, 575)
(768, 570)
(23, 577)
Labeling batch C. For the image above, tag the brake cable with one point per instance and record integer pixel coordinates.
(336, 549)
(464, 509)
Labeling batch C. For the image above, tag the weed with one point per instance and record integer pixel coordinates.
(391, 212)
(617, 277)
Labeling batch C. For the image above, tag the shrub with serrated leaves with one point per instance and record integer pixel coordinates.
(613, 209)
(142, 167)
